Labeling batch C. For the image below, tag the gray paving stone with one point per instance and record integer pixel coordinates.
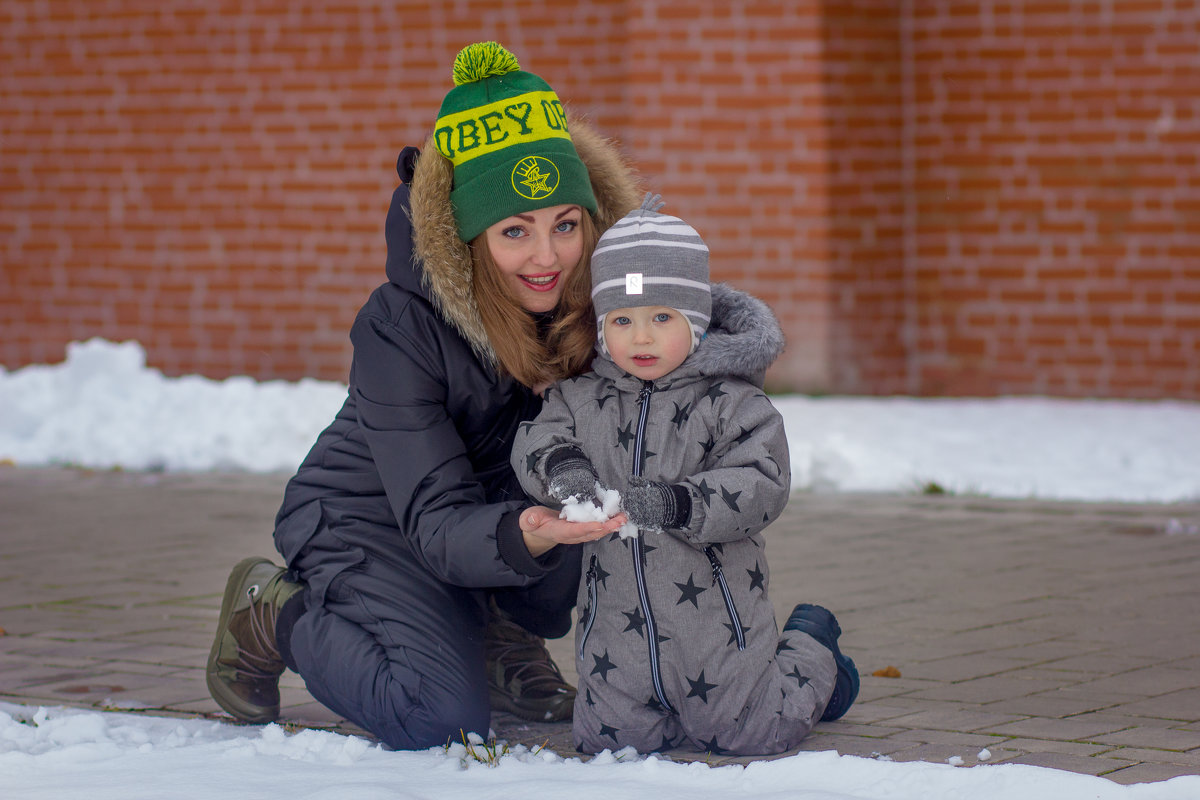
(1145, 732)
(1148, 773)
(990, 689)
(1059, 634)
(1094, 765)
(1071, 730)
(1027, 745)
(1059, 703)
(1138, 754)
(953, 720)
(940, 753)
(1183, 706)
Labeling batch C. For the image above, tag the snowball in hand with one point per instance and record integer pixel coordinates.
(605, 506)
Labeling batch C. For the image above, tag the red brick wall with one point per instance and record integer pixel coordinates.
(935, 197)
(1054, 146)
(214, 183)
(863, 79)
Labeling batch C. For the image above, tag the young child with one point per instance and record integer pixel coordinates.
(677, 643)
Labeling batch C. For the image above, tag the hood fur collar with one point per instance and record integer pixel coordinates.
(445, 260)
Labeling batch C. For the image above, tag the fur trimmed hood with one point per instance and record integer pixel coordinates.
(444, 261)
(743, 339)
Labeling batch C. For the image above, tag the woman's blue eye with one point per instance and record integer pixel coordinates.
(513, 232)
(567, 225)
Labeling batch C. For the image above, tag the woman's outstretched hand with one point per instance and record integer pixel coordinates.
(543, 529)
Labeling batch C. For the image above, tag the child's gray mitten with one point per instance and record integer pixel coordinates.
(656, 506)
(569, 475)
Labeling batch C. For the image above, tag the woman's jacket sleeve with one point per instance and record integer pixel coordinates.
(439, 502)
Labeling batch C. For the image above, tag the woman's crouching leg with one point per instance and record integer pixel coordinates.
(405, 665)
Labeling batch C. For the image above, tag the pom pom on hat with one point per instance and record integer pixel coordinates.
(483, 60)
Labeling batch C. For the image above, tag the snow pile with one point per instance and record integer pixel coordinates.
(61, 753)
(103, 408)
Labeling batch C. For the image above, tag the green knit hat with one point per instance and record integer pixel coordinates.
(505, 131)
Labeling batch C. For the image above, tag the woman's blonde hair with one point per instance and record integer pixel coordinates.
(569, 344)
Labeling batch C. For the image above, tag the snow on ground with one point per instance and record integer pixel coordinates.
(61, 753)
(103, 408)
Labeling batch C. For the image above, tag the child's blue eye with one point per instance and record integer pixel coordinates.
(621, 321)
(662, 317)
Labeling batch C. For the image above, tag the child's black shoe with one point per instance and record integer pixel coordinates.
(820, 624)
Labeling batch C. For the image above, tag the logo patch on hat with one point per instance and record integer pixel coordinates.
(535, 177)
(633, 283)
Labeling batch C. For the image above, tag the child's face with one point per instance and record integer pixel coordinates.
(647, 342)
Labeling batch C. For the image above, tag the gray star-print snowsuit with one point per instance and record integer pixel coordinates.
(676, 642)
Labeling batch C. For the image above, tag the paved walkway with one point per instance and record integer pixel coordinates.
(1057, 634)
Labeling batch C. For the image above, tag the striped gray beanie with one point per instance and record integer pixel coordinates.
(652, 259)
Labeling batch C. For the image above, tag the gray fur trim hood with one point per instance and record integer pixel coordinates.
(446, 260)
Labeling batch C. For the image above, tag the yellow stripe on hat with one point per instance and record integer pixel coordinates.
(482, 130)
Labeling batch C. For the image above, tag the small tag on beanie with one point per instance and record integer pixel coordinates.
(633, 283)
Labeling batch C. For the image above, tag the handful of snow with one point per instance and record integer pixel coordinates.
(604, 506)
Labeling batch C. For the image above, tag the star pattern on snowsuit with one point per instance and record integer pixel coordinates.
(609, 731)
(783, 645)
(588, 698)
(715, 391)
(636, 621)
(730, 499)
(688, 592)
(654, 705)
(801, 680)
(744, 436)
(757, 578)
(700, 687)
(711, 746)
(708, 445)
(625, 436)
(603, 666)
(733, 636)
(706, 492)
(681, 414)
(526, 427)
(600, 401)
(531, 461)
(601, 575)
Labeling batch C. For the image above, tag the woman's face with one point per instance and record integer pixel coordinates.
(536, 252)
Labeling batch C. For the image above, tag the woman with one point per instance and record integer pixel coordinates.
(408, 540)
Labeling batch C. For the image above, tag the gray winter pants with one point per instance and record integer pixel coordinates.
(752, 704)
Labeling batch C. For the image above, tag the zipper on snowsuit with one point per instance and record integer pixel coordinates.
(719, 578)
(589, 614)
(638, 549)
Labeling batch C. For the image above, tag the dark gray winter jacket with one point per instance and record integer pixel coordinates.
(678, 620)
